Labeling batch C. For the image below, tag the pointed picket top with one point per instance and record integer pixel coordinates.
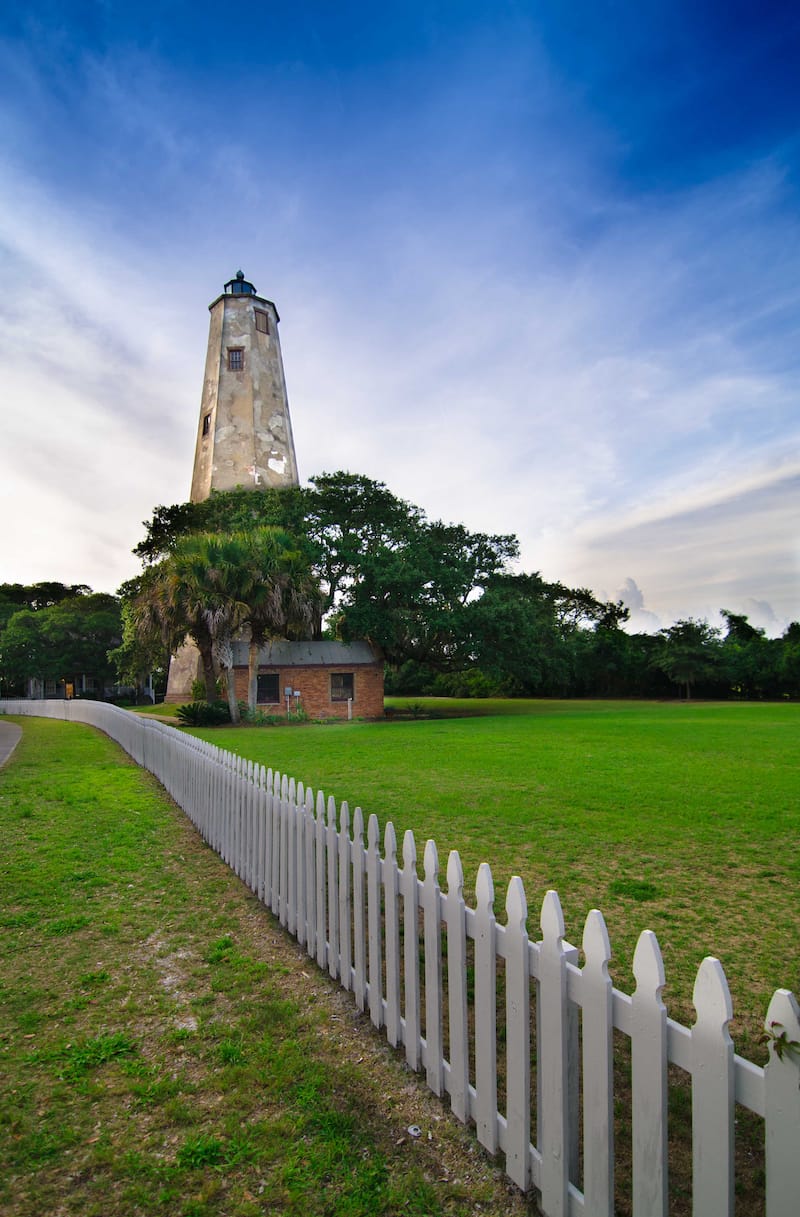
(300, 794)
(358, 825)
(292, 790)
(331, 812)
(284, 787)
(320, 805)
(409, 849)
(431, 860)
(455, 874)
(373, 832)
(596, 943)
(309, 801)
(648, 966)
(782, 1103)
(344, 818)
(711, 996)
(484, 888)
(390, 843)
(782, 1024)
(516, 904)
(552, 919)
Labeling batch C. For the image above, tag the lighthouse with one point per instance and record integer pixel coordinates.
(244, 435)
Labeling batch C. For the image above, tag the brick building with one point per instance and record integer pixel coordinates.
(326, 679)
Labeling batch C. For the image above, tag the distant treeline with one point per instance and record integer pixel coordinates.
(442, 603)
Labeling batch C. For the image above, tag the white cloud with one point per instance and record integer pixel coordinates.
(508, 340)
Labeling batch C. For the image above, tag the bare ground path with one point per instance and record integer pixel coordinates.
(10, 735)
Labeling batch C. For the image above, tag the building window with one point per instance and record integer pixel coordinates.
(262, 321)
(235, 359)
(341, 686)
(206, 424)
(269, 692)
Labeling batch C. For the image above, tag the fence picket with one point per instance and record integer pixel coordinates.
(321, 861)
(455, 916)
(277, 829)
(345, 923)
(374, 953)
(518, 1037)
(359, 922)
(286, 844)
(485, 1011)
(598, 1069)
(712, 1094)
(392, 932)
(649, 1079)
(782, 1105)
(266, 811)
(434, 1070)
(305, 869)
(306, 882)
(409, 886)
(333, 890)
(248, 801)
(552, 1062)
(295, 857)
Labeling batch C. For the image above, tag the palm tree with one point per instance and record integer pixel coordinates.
(280, 594)
(205, 569)
(213, 585)
(193, 592)
(160, 611)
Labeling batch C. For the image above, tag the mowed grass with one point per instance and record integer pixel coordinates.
(683, 818)
(164, 1047)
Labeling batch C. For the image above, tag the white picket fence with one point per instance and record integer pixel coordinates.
(387, 935)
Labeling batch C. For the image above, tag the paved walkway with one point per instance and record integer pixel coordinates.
(9, 738)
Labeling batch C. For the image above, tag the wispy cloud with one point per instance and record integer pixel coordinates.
(479, 309)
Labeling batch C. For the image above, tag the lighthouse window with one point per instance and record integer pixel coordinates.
(262, 321)
(236, 359)
(206, 424)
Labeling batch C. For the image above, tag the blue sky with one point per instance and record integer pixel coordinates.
(537, 264)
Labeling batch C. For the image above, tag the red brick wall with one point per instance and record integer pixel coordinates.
(314, 684)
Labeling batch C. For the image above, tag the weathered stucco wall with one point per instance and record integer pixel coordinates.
(244, 434)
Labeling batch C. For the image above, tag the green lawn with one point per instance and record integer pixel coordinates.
(164, 1048)
(683, 818)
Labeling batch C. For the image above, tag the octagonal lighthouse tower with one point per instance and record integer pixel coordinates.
(244, 437)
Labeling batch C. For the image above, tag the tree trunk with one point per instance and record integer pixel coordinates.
(209, 675)
(233, 704)
(223, 650)
(252, 674)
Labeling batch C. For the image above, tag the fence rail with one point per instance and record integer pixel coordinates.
(428, 969)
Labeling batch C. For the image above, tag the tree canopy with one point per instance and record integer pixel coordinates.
(451, 614)
(62, 632)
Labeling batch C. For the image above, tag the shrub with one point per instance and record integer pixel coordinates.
(199, 690)
(204, 714)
